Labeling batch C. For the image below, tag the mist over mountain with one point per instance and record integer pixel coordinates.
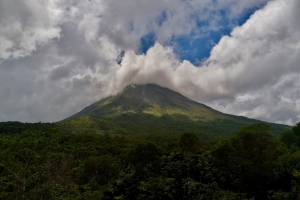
(58, 56)
(150, 99)
(156, 111)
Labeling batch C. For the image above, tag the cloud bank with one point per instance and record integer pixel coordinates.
(57, 57)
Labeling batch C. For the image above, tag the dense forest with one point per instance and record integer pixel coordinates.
(44, 161)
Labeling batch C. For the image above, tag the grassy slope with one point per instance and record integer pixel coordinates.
(151, 111)
(87, 125)
(12, 128)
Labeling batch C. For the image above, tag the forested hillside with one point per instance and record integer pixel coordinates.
(50, 163)
(158, 113)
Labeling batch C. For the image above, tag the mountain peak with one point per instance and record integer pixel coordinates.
(151, 93)
(150, 107)
(148, 99)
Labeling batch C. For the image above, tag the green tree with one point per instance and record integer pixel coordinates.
(296, 129)
(289, 138)
(189, 142)
(250, 158)
(144, 155)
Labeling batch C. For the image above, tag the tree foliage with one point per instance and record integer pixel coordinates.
(53, 164)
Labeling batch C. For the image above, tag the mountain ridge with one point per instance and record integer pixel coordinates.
(153, 110)
(162, 97)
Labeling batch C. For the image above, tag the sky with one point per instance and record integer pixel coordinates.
(239, 57)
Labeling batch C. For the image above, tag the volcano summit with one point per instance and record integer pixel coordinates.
(157, 111)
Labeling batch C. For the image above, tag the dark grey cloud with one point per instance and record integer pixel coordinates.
(25, 25)
(57, 57)
(246, 73)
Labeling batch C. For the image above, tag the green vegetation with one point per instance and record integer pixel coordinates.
(149, 142)
(87, 125)
(45, 161)
(156, 113)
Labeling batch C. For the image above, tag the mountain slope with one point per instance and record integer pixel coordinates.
(153, 111)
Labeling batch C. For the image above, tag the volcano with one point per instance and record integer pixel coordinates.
(156, 112)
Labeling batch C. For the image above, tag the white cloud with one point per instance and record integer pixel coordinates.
(29, 24)
(254, 61)
(237, 7)
(25, 25)
(60, 56)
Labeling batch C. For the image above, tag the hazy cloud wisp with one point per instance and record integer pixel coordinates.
(58, 57)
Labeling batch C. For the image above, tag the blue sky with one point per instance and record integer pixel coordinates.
(194, 47)
(57, 57)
